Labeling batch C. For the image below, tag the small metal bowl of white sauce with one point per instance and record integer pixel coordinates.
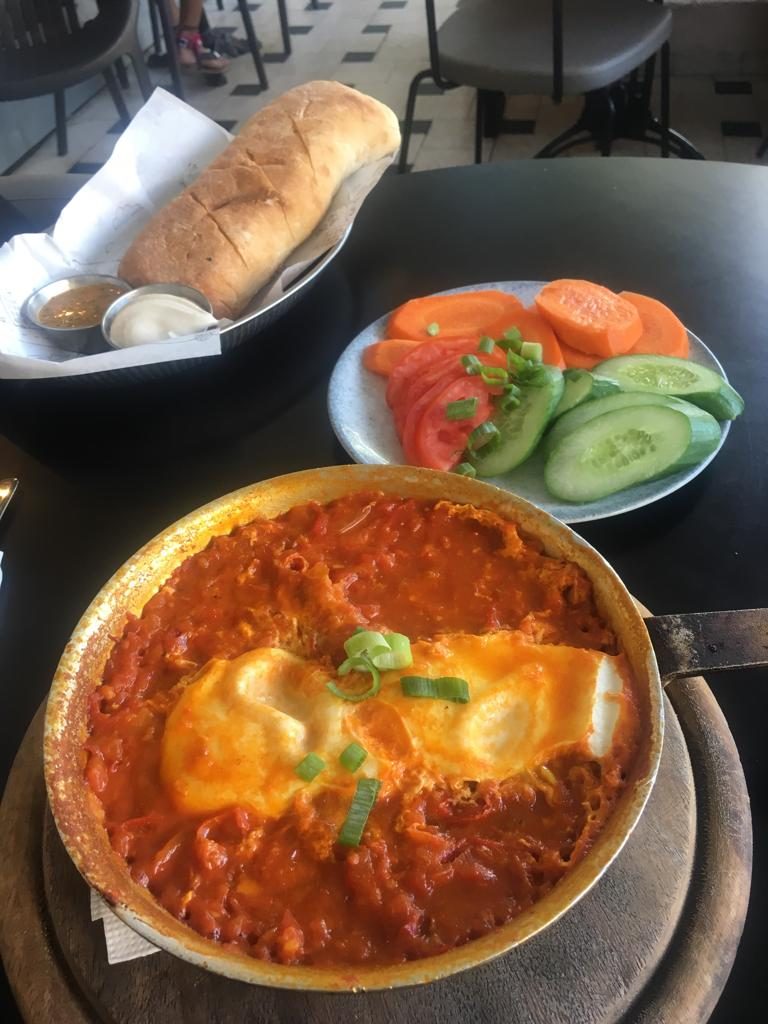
(156, 313)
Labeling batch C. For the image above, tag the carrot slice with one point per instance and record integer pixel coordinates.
(590, 318)
(575, 360)
(383, 356)
(467, 314)
(533, 327)
(663, 334)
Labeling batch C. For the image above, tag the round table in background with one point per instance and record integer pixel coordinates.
(103, 469)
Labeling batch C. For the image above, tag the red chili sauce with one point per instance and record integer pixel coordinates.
(435, 868)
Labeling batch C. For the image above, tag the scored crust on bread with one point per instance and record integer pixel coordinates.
(232, 228)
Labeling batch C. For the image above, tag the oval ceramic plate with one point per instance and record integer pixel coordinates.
(363, 424)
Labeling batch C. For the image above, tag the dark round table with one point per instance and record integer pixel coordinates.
(103, 469)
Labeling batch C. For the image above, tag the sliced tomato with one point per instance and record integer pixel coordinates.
(449, 364)
(439, 442)
(408, 417)
(422, 356)
(424, 381)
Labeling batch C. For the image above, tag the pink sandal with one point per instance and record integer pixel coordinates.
(194, 57)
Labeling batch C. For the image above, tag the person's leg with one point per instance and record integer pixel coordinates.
(191, 52)
(191, 11)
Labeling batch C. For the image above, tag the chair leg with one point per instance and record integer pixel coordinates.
(410, 110)
(220, 4)
(479, 125)
(117, 96)
(60, 109)
(122, 74)
(140, 70)
(605, 134)
(570, 137)
(154, 22)
(253, 43)
(665, 100)
(169, 37)
(493, 113)
(649, 73)
(285, 29)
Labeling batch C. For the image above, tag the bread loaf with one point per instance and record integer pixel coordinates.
(229, 232)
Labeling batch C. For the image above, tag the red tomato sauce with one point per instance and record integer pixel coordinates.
(435, 867)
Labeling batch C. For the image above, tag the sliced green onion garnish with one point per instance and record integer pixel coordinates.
(509, 402)
(486, 344)
(360, 663)
(389, 659)
(512, 334)
(399, 643)
(351, 831)
(483, 435)
(498, 372)
(532, 350)
(352, 757)
(536, 377)
(510, 346)
(433, 329)
(494, 376)
(465, 469)
(515, 362)
(397, 655)
(471, 364)
(443, 688)
(463, 409)
(309, 767)
(372, 652)
(363, 641)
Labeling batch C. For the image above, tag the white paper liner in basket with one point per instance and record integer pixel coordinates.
(163, 150)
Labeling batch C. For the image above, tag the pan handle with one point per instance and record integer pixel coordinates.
(687, 645)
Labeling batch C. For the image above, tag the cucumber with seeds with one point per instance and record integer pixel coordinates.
(628, 446)
(587, 411)
(675, 378)
(582, 386)
(520, 429)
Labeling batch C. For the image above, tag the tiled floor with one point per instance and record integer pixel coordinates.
(377, 46)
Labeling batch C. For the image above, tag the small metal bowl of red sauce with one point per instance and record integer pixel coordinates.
(70, 310)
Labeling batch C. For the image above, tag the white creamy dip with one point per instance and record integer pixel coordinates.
(157, 317)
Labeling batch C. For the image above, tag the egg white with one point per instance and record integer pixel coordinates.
(240, 727)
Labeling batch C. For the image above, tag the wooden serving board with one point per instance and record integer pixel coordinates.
(653, 941)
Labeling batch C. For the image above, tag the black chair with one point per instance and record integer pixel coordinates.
(44, 49)
(567, 47)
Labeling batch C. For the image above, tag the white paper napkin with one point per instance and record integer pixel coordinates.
(123, 943)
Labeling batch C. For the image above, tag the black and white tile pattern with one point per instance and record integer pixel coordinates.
(379, 45)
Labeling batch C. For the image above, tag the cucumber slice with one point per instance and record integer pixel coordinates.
(679, 378)
(628, 446)
(583, 386)
(587, 411)
(521, 428)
